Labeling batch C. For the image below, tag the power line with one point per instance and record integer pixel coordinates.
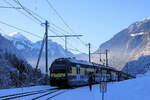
(10, 7)
(65, 23)
(32, 12)
(59, 28)
(19, 11)
(54, 32)
(74, 48)
(66, 36)
(24, 8)
(36, 14)
(20, 29)
(51, 6)
(83, 42)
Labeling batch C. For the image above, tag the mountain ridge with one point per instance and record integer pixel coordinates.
(129, 44)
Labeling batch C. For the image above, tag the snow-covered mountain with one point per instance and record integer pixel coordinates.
(12, 62)
(31, 50)
(129, 44)
(7, 46)
(82, 56)
(19, 40)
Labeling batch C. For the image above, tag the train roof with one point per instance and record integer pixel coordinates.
(80, 62)
(73, 60)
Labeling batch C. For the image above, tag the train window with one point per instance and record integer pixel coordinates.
(60, 68)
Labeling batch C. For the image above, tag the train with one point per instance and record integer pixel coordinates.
(70, 72)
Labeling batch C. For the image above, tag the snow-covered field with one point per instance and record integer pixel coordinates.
(135, 89)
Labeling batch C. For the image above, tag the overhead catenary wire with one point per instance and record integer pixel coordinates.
(74, 48)
(18, 10)
(30, 33)
(51, 6)
(10, 7)
(24, 8)
(30, 13)
(65, 23)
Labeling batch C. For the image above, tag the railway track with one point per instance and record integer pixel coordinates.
(40, 93)
(55, 95)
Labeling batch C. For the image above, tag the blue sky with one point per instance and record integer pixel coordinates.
(97, 20)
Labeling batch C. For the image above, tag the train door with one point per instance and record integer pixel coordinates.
(103, 75)
(78, 72)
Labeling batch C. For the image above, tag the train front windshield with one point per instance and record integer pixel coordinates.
(58, 68)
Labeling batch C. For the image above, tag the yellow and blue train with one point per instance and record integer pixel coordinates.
(68, 72)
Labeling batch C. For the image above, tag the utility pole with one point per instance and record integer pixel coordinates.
(66, 43)
(45, 40)
(106, 55)
(89, 52)
(100, 55)
(106, 58)
(103, 88)
(103, 95)
(46, 45)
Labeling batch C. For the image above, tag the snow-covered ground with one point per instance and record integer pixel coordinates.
(25, 89)
(134, 89)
